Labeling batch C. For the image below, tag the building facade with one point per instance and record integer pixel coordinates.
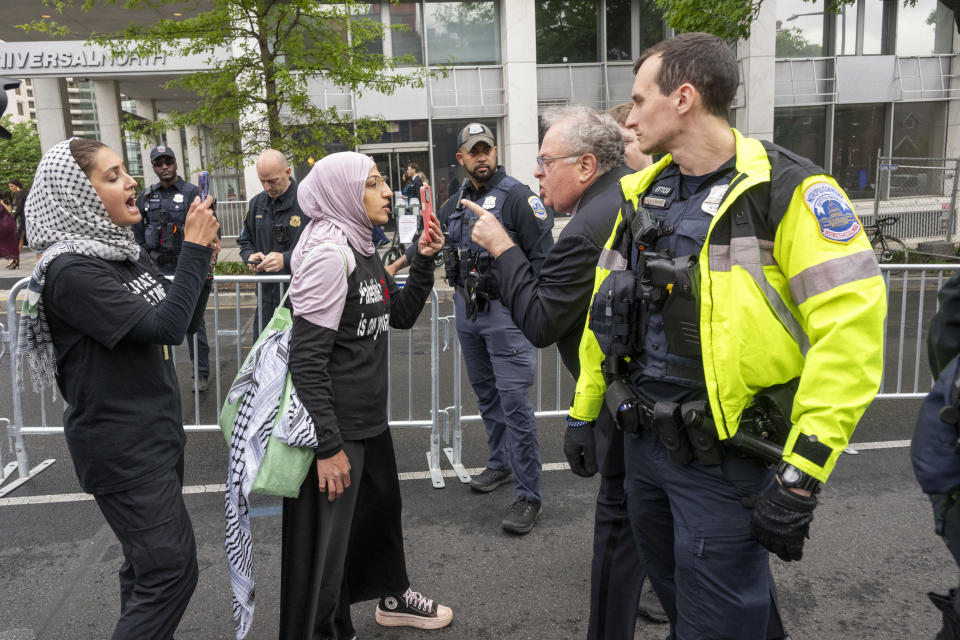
(843, 89)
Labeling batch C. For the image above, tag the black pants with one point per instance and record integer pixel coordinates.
(345, 551)
(618, 569)
(159, 570)
(269, 295)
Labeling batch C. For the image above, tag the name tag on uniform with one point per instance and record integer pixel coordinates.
(489, 202)
(178, 198)
(712, 203)
(656, 203)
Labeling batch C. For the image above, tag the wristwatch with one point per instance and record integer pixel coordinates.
(793, 478)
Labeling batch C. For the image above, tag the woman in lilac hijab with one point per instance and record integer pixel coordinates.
(347, 546)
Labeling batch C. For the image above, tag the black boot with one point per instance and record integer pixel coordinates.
(951, 621)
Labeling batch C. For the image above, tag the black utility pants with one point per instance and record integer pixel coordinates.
(159, 570)
(618, 569)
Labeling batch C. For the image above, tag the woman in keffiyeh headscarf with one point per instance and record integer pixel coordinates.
(98, 321)
(342, 538)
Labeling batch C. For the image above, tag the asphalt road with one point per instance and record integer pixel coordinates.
(871, 558)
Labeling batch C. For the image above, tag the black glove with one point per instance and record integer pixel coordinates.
(580, 448)
(781, 520)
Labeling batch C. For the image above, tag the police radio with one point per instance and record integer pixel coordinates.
(204, 183)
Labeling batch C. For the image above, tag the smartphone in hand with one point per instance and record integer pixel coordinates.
(204, 180)
(426, 201)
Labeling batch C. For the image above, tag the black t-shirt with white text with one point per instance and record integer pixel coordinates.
(123, 420)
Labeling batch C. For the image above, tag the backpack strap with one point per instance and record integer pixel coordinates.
(346, 266)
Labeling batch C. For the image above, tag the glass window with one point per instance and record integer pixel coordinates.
(448, 173)
(403, 131)
(877, 18)
(919, 129)
(567, 31)
(371, 12)
(800, 32)
(857, 135)
(463, 32)
(846, 31)
(652, 27)
(406, 41)
(618, 30)
(923, 29)
(802, 130)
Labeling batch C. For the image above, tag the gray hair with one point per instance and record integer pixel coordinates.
(586, 130)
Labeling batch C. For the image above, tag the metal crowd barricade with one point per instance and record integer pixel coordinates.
(230, 339)
(911, 295)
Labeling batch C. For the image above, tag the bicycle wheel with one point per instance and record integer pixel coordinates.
(889, 249)
(392, 255)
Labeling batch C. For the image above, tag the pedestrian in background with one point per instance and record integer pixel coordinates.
(163, 208)
(8, 234)
(18, 198)
(270, 231)
(98, 321)
(343, 536)
(634, 157)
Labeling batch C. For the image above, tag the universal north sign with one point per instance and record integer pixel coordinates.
(79, 59)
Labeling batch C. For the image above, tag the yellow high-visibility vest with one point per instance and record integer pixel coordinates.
(789, 288)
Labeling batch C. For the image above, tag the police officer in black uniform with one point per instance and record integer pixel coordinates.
(163, 207)
(935, 449)
(271, 230)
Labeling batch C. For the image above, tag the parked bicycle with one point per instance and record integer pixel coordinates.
(886, 247)
(395, 249)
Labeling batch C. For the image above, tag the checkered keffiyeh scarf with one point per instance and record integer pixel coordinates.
(259, 388)
(63, 214)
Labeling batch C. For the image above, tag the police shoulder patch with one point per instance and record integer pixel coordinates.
(835, 217)
(536, 205)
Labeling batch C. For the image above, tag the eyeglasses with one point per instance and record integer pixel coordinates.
(376, 182)
(542, 161)
(164, 162)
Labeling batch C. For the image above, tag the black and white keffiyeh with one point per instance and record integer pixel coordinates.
(259, 389)
(63, 214)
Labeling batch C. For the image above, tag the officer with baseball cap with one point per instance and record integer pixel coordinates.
(500, 361)
(163, 207)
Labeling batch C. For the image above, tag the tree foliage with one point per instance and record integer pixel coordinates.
(729, 19)
(265, 57)
(20, 155)
(792, 44)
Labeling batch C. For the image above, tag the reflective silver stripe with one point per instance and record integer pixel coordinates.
(833, 273)
(720, 260)
(752, 254)
(611, 261)
(719, 257)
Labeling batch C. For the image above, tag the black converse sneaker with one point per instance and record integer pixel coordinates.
(412, 609)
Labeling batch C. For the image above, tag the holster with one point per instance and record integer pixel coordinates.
(673, 434)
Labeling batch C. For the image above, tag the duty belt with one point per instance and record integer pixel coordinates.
(687, 430)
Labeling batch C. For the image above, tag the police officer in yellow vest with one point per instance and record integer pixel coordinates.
(736, 332)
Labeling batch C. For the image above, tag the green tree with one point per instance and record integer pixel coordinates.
(20, 155)
(265, 56)
(792, 44)
(729, 19)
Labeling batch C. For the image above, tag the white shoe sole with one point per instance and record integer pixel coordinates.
(389, 619)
